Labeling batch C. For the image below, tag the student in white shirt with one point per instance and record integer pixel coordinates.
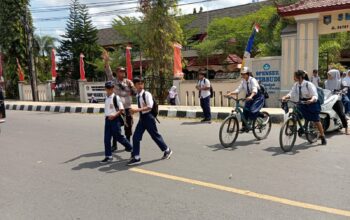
(147, 122)
(113, 109)
(334, 83)
(315, 79)
(305, 91)
(346, 98)
(254, 98)
(203, 86)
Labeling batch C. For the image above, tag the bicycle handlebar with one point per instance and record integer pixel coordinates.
(235, 99)
(296, 103)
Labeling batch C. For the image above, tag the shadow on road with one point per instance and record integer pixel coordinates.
(296, 149)
(119, 164)
(217, 147)
(194, 123)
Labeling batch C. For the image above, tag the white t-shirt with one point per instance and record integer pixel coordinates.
(149, 100)
(204, 83)
(109, 105)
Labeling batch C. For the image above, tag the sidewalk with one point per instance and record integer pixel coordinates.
(164, 110)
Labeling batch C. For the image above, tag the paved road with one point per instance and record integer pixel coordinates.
(49, 170)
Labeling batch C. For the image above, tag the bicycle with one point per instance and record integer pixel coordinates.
(229, 129)
(289, 130)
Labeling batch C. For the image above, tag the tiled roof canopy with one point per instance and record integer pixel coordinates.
(109, 36)
(313, 6)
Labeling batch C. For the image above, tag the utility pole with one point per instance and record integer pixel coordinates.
(31, 63)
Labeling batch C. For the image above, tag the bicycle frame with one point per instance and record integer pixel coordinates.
(238, 110)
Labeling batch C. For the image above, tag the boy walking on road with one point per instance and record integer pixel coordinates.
(146, 122)
(113, 109)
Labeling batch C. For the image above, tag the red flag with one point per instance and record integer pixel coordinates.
(19, 70)
(53, 65)
(128, 62)
(177, 61)
(82, 70)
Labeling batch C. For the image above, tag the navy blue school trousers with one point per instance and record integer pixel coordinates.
(112, 129)
(147, 123)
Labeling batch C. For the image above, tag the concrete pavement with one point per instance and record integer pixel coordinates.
(49, 170)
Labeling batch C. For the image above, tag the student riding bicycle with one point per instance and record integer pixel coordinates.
(254, 98)
(304, 91)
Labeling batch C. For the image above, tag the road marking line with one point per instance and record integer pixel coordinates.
(246, 193)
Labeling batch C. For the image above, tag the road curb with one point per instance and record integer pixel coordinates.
(275, 118)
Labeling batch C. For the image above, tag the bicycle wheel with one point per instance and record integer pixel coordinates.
(312, 134)
(288, 135)
(262, 126)
(229, 131)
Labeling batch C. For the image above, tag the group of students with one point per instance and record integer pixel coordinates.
(302, 90)
(119, 112)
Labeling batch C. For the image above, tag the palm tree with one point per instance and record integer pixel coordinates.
(44, 45)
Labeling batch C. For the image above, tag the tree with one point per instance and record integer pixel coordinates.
(221, 31)
(43, 46)
(13, 41)
(80, 37)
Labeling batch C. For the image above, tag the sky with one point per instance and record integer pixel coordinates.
(56, 28)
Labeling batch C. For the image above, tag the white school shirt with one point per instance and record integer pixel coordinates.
(307, 92)
(252, 84)
(204, 83)
(109, 105)
(149, 100)
(346, 81)
(315, 80)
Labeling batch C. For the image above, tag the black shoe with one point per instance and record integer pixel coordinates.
(128, 149)
(106, 160)
(167, 154)
(114, 148)
(134, 161)
(323, 141)
(203, 120)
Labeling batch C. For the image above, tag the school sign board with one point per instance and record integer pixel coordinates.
(267, 70)
(333, 22)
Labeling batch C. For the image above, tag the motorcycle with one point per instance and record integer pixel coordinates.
(329, 118)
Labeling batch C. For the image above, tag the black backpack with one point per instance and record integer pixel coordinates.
(121, 118)
(155, 107)
(263, 91)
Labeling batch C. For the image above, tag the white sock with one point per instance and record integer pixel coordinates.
(167, 150)
(137, 157)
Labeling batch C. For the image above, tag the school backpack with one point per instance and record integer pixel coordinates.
(122, 116)
(155, 107)
(320, 94)
(263, 91)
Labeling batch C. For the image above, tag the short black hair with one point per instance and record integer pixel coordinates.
(138, 80)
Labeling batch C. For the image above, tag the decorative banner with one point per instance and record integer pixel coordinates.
(128, 62)
(53, 65)
(82, 69)
(177, 61)
(19, 71)
(1, 68)
(249, 47)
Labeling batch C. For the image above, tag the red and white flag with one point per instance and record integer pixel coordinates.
(177, 61)
(20, 71)
(82, 69)
(128, 62)
(53, 65)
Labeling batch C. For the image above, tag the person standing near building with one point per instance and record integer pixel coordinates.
(346, 98)
(125, 89)
(203, 86)
(2, 106)
(147, 122)
(113, 111)
(315, 79)
(173, 95)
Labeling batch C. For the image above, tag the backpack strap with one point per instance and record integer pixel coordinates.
(115, 103)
